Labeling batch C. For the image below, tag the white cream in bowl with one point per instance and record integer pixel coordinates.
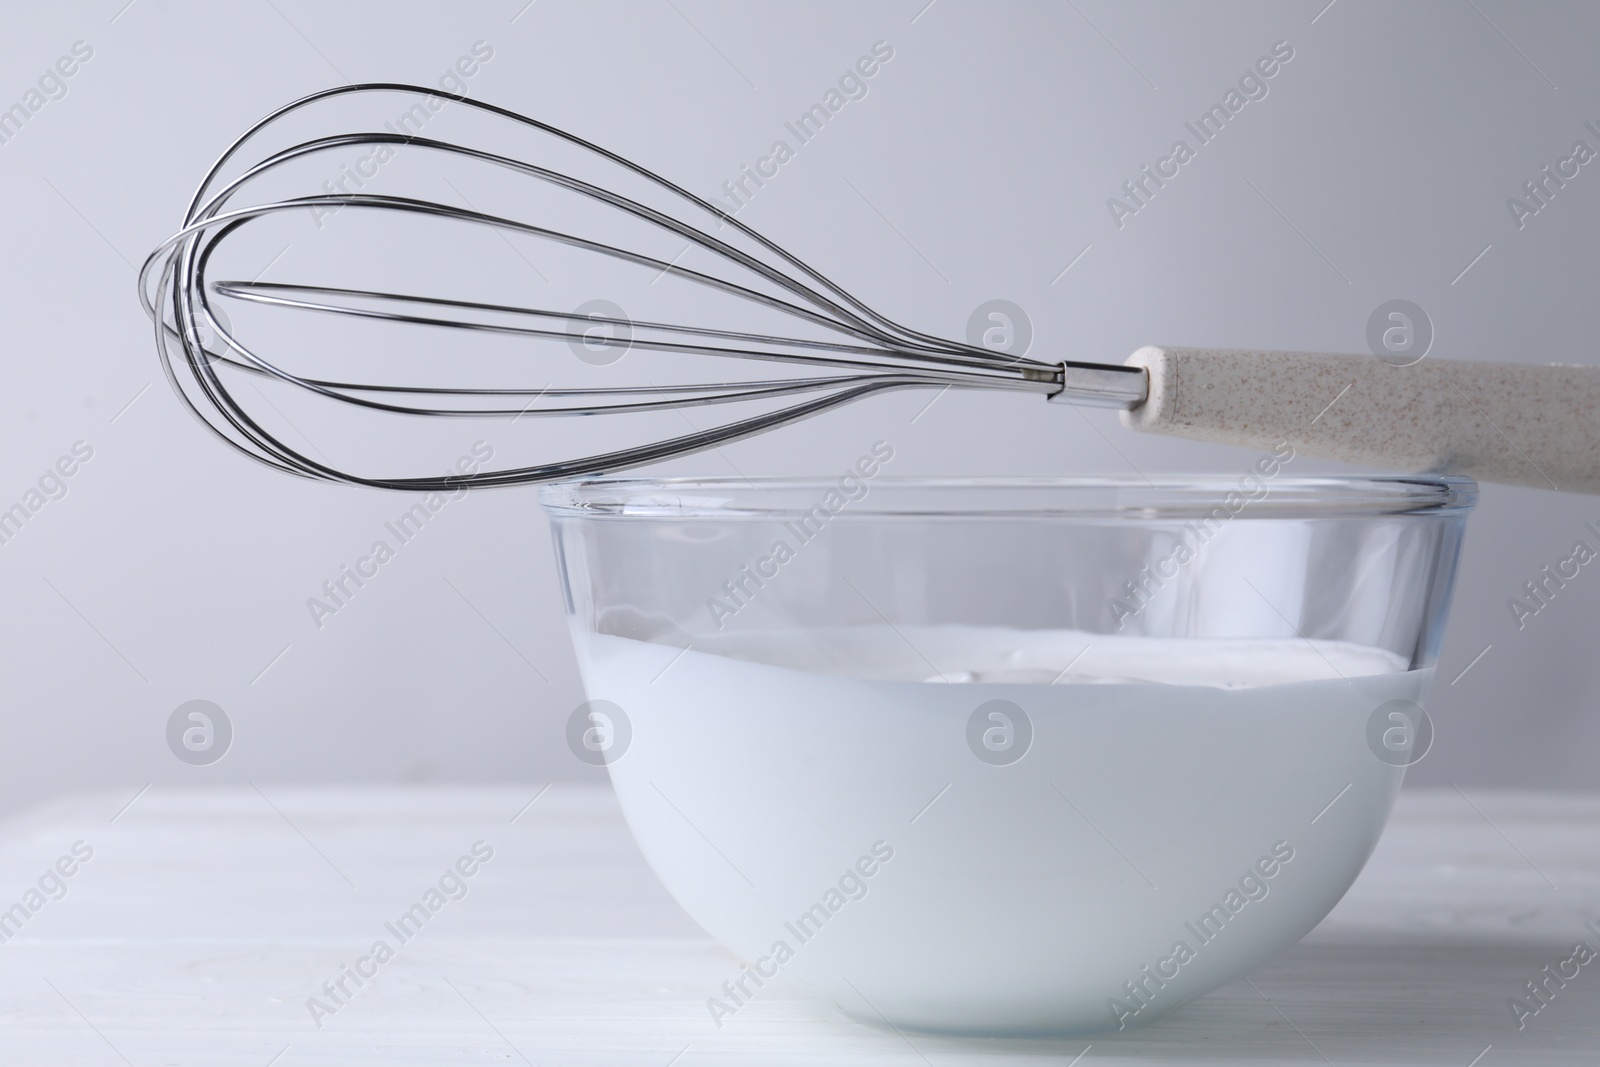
(842, 807)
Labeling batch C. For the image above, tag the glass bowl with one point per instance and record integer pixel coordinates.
(1014, 756)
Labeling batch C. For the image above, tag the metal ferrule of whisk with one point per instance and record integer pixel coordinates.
(839, 350)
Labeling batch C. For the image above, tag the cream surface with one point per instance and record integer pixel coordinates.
(967, 654)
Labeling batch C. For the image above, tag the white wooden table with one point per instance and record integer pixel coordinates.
(204, 921)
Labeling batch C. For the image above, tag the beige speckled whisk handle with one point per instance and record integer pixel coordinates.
(1522, 424)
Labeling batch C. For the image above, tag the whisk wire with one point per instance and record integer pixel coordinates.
(872, 353)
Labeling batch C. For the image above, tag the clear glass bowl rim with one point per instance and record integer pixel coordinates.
(1156, 498)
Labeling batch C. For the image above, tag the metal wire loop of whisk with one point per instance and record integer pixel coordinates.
(860, 352)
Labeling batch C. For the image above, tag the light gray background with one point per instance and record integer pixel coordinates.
(1378, 167)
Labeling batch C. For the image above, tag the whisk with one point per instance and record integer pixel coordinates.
(1525, 424)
